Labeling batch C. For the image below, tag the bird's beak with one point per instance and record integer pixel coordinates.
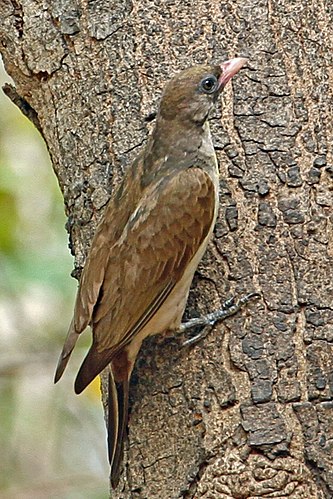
(230, 68)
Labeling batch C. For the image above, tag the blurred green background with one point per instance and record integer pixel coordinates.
(52, 442)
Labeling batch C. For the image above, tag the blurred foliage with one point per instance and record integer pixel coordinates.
(52, 442)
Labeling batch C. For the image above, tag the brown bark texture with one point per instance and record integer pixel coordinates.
(247, 412)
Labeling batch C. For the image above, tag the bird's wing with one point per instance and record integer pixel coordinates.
(161, 237)
(115, 218)
(116, 215)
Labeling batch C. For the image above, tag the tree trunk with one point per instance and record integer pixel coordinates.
(248, 411)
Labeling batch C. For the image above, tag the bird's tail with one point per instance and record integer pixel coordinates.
(117, 422)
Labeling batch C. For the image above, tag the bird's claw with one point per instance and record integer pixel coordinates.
(229, 308)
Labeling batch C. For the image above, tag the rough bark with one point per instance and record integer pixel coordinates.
(247, 412)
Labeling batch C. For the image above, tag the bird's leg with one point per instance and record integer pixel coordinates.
(229, 307)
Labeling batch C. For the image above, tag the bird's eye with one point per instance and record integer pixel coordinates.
(209, 84)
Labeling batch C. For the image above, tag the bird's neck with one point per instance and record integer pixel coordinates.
(172, 147)
(177, 139)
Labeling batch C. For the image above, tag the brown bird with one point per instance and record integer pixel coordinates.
(147, 247)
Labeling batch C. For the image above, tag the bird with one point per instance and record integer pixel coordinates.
(151, 238)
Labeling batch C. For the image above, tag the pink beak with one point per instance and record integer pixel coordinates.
(230, 68)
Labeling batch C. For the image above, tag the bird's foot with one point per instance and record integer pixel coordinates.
(229, 307)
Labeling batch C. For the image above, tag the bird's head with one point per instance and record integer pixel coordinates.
(191, 94)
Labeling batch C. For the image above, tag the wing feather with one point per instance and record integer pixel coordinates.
(108, 232)
(158, 242)
(130, 273)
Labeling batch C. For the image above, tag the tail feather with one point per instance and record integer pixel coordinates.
(113, 417)
(116, 446)
(118, 390)
(121, 367)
